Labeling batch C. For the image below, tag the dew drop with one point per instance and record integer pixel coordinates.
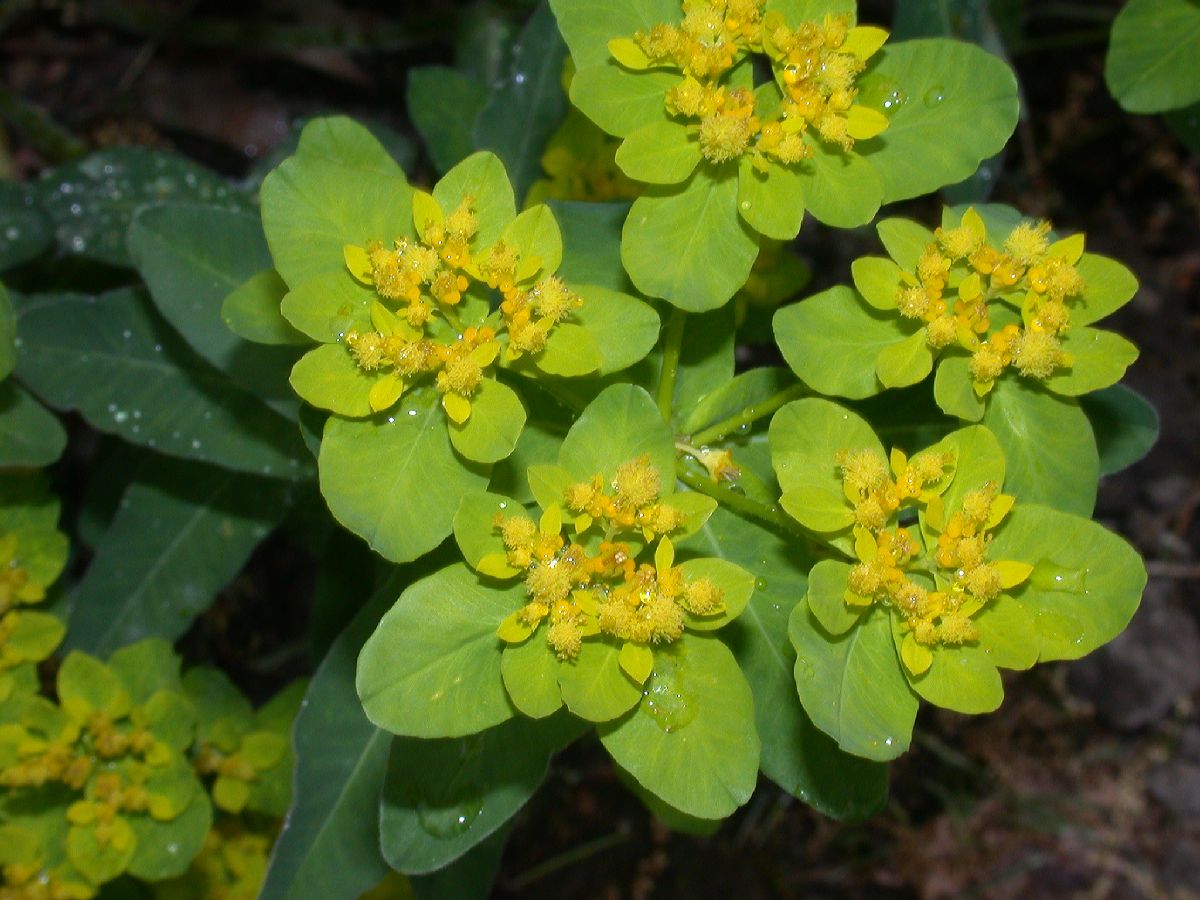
(935, 95)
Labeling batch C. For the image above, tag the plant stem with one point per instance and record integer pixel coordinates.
(771, 515)
(748, 415)
(568, 857)
(672, 345)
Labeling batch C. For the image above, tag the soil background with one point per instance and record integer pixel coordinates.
(1085, 784)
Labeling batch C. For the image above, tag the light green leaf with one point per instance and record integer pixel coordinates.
(827, 585)
(191, 258)
(805, 438)
(340, 188)
(906, 362)
(734, 582)
(619, 101)
(877, 280)
(497, 417)
(442, 797)
(85, 685)
(113, 358)
(147, 667)
(593, 685)
(481, 176)
(978, 461)
(1052, 456)
(1109, 287)
(1098, 360)
(92, 201)
(842, 190)
(625, 328)
(963, 679)
(1086, 582)
(692, 743)
(736, 394)
(662, 152)
(1152, 63)
(167, 849)
(960, 108)
(832, 341)
(689, 247)
(253, 312)
(852, 687)
(953, 391)
(530, 672)
(473, 529)
(535, 233)
(396, 484)
(904, 240)
(771, 202)
(327, 377)
(30, 435)
(620, 425)
(1125, 425)
(181, 533)
(796, 12)
(432, 667)
(326, 306)
(571, 351)
(795, 755)
(588, 25)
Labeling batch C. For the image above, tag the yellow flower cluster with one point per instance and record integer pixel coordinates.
(816, 66)
(632, 503)
(888, 557)
(959, 274)
(584, 594)
(431, 275)
(868, 483)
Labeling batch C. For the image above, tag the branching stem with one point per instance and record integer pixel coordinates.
(672, 345)
(748, 416)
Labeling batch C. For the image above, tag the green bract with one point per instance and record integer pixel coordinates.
(571, 606)
(419, 300)
(983, 581)
(1001, 310)
(841, 127)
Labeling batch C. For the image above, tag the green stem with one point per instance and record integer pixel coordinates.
(740, 503)
(748, 415)
(672, 346)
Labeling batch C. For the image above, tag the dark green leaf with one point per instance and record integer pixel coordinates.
(92, 201)
(530, 93)
(329, 845)
(192, 258)
(30, 435)
(113, 358)
(444, 104)
(442, 797)
(1125, 425)
(180, 534)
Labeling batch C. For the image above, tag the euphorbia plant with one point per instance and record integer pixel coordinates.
(585, 504)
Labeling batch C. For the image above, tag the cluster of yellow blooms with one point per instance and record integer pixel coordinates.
(109, 759)
(609, 592)
(1042, 274)
(816, 65)
(432, 274)
(886, 556)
